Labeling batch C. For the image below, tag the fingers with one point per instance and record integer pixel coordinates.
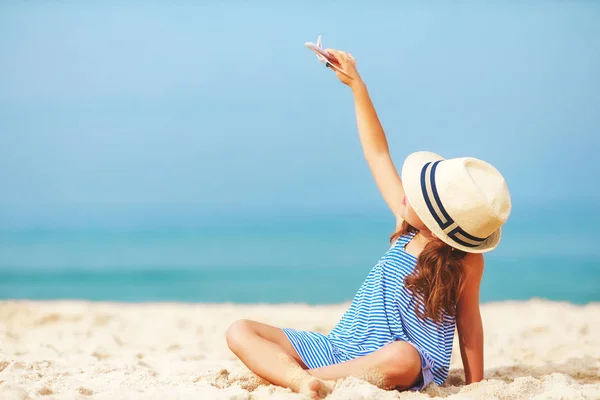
(341, 56)
(343, 64)
(336, 55)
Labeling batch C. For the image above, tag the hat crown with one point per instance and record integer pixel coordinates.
(463, 201)
(474, 194)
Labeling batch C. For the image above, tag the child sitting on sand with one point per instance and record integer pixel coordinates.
(399, 329)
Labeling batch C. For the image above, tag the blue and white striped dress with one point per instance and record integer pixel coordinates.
(381, 313)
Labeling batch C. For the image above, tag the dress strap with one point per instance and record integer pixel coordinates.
(402, 240)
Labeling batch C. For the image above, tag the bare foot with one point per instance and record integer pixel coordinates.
(314, 388)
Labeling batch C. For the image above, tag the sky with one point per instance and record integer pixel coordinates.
(126, 109)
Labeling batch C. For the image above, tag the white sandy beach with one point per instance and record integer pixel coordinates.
(534, 350)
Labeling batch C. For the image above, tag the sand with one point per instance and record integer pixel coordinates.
(80, 350)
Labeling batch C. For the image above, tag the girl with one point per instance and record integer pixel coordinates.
(399, 329)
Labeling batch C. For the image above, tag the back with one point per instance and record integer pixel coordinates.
(383, 311)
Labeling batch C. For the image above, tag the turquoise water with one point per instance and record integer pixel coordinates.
(312, 259)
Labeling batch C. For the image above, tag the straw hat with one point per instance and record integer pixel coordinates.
(463, 201)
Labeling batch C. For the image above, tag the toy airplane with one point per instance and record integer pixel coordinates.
(324, 56)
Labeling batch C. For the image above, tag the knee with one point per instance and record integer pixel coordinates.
(237, 333)
(401, 364)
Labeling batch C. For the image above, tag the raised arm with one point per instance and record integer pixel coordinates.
(372, 136)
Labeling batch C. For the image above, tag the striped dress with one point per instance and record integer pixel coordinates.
(381, 313)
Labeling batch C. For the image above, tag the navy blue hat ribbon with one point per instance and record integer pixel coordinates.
(443, 219)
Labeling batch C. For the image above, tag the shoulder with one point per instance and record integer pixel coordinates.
(473, 265)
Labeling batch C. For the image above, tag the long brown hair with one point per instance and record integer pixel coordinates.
(438, 278)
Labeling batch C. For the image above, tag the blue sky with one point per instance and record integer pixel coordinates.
(111, 107)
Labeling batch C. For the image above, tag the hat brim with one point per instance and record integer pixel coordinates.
(411, 181)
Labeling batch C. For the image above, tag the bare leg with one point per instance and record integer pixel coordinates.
(396, 365)
(267, 352)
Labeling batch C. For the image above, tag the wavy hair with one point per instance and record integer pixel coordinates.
(438, 278)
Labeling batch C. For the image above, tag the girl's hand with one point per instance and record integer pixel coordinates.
(346, 63)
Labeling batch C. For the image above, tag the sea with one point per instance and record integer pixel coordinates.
(266, 257)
